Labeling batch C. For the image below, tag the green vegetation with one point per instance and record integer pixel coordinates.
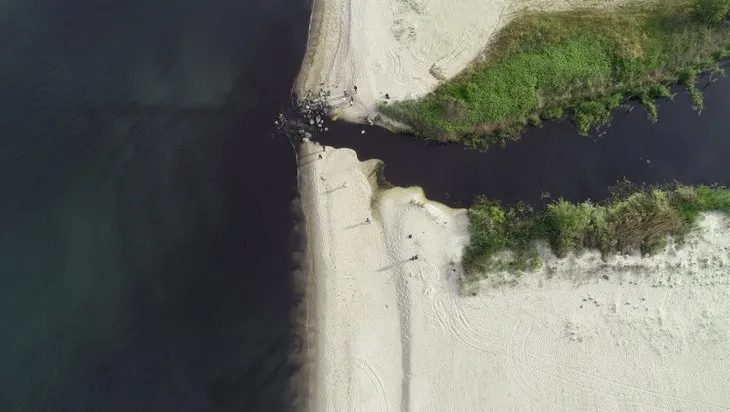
(503, 238)
(583, 63)
(712, 11)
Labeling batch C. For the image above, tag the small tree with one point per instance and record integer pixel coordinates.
(712, 11)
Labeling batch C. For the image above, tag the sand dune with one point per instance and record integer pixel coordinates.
(403, 48)
(390, 333)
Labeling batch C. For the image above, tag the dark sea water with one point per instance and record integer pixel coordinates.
(145, 210)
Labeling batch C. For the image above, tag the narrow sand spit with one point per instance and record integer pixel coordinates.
(403, 48)
(393, 334)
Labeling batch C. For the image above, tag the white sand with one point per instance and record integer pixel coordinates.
(392, 334)
(396, 46)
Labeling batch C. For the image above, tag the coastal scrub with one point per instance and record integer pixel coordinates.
(582, 63)
(633, 219)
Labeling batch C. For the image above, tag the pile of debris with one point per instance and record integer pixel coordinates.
(307, 118)
(311, 110)
(314, 107)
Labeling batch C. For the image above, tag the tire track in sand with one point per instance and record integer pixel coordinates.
(375, 384)
(403, 304)
(344, 38)
(450, 314)
(526, 368)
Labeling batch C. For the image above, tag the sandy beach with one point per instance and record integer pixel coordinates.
(389, 333)
(403, 48)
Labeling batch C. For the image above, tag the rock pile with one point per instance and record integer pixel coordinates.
(307, 118)
(314, 107)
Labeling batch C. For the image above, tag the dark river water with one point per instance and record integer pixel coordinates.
(148, 216)
(683, 146)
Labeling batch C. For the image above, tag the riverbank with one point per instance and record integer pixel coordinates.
(393, 333)
(343, 250)
(634, 219)
(403, 49)
(393, 50)
(580, 64)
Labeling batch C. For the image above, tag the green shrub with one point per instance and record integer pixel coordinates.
(651, 109)
(591, 114)
(633, 219)
(584, 61)
(553, 113)
(568, 223)
(488, 234)
(712, 11)
(690, 201)
(696, 95)
(660, 91)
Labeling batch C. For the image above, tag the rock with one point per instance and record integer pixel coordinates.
(437, 72)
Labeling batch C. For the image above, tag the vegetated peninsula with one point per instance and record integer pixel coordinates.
(542, 60)
(580, 63)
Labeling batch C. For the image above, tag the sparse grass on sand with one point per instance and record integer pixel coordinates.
(634, 219)
(582, 63)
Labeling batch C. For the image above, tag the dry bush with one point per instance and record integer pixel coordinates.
(643, 222)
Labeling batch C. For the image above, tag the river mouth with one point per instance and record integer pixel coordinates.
(145, 260)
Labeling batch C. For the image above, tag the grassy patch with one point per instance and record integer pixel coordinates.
(584, 62)
(634, 219)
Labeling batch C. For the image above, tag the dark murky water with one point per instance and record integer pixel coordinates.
(145, 210)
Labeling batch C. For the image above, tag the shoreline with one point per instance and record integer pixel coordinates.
(521, 87)
(313, 30)
(396, 49)
(308, 377)
(399, 50)
(391, 333)
(332, 255)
